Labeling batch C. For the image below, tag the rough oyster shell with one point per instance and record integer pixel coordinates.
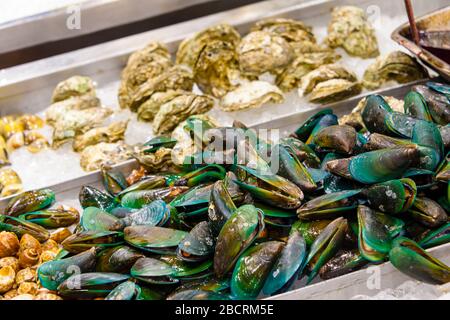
(251, 95)
(59, 109)
(291, 30)
(142, 65)
(148, 110)
(177, 77)
(159, 161)
(334, 90)
(304, 63)
(93, 157)
(350, 29)
(76, 122)
(324, 73)
(112, 133)
(73, 87)
(10, 182)
(262, 51)
(397, 66)
(179, 109)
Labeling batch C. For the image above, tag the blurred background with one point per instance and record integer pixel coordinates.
(35, 29)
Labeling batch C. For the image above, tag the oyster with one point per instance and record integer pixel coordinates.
(10, 182)
(262, 51)
(312, 57)
(354, 118)
(73, 87)
(148, 110)
(112, 133)
(159, 161)
(142, 65)
(76, 122)
(350, 29)
(324, 73)
(291, 30)
(211, 54)
(93, 157)
(59, 109)
(334, 90)
(397, 66)
(176, 77)
(179, 109)
(251, 95)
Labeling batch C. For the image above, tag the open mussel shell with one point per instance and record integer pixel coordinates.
(328, 205)
(428, 212)
(154, 239)
(52, 273)
(304, 131)
(140, 198)
(95, 219)
(30, 201)
(84, 240)
(198, 245)
(221, 207)
(117, 259)
(197, 294)
(344, 262)
(157, 213)
(237, 234)
(153, 271)
(125, 291)
(21, 227)
(289, 264)
(374, 239)
(394, 196)
(408, 257)
(292, 169)
(53, 218)
(303, 151)
(325, 246)
(272, 189)
(252, 269)
(436, 237)
(92, 197)
(113, 181)
(90, 285)
(192, 203)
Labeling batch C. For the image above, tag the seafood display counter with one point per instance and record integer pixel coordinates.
(268, 155)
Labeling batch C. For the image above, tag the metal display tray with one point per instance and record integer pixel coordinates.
(343, 287)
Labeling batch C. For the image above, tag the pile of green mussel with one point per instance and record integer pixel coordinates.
(340, 198)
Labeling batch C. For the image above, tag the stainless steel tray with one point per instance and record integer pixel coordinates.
(27, 88)
(343, 287)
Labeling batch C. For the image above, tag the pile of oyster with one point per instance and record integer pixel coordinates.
(77, 115)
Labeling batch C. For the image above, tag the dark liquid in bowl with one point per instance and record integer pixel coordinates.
(443, 54)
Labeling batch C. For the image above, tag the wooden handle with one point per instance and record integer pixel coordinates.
(412, 22)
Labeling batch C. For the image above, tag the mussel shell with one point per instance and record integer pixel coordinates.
(374, 112)
(30, 201)
(428, 212)
(328, 206)
(382, 165)
(303, 151)
(198, 244)
(289, 264)
(206, 174)
(154, 239)
(84, 240)
(304, 131)
(310, 230)
(113, 182)
(374, 239)
(52, 273)
(95, 219)
(392, 196)
(221, 207)
(237, 234)
(147, 183)
(124, 291)
(157, 213)
(416, 106)
(436, 237)
(140, 198)
(428, 137)
(117, 259)
(326, 245)
(92, 197)
(337, 138)
(21, 227)
(409, 258)
(253, 268)
(197, 294)
(153, 271)
(344, 262)
(438, 104)
(53, 218)
(90, 285)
